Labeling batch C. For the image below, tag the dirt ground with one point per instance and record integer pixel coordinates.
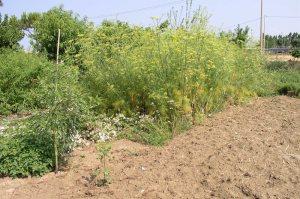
(281, 57)
(250, 151)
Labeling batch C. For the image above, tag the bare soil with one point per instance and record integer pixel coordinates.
(281, 57)
(250, 151)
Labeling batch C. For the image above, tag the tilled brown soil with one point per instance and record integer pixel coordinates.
(250, 151)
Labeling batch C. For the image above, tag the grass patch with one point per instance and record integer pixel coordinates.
(286, 77)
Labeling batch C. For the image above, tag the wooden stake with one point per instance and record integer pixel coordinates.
(55, 150)
(57, 47)
(55, 147)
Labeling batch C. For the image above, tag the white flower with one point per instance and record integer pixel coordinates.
(103, 137)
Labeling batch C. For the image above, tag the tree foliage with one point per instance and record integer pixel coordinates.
(45, 34)
(20, 75)
(11, 31)
(292, 41)
(277, 41)
(28, 20)
(241, 36)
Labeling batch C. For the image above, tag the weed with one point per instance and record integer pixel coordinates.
(103, 153)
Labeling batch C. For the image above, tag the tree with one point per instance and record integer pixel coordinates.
(291, 40)
(11, 31)
(241, 36)
(295, 42)
(1, 4)
(46, 28)
(28, 20)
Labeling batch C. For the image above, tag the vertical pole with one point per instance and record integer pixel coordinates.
(55, 150)
(57, 47)
(261, 25)
(55, 143)
(264, 34)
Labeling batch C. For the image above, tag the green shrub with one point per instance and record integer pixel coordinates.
(174, 76)
(20, 74)
(285, 78)
(288, 82)
(167, 74)
(295, 53)
(148, 131)
(277, 65)
(282, 65)
(28, 147)
(25, 150)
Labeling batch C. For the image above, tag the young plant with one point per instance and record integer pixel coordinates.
(103, 153)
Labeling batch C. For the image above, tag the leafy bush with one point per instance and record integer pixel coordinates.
(25, 150)
(20, 74)
(29, 147)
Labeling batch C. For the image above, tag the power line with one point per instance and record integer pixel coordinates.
(256, 19)
(139, 10)
(243, 23)
(250, 21)
(291, 17)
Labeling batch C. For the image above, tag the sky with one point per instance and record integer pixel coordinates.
(283, 16)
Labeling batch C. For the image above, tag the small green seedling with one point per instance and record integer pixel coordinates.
(82, 156)
(103, 152)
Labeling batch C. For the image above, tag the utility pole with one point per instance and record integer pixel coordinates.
(264, 34)
(261, 25)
